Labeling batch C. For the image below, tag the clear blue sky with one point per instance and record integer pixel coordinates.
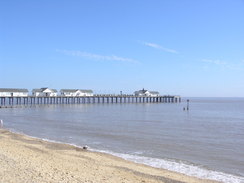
(185, 47)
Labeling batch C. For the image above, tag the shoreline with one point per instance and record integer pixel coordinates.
(29, 159)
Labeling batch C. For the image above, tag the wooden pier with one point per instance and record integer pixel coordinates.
(38, 100)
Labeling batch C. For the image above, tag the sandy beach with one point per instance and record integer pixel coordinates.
(26, 159)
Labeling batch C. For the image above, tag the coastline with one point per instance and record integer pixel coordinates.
(27, 159)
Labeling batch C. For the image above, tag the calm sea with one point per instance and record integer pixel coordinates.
(207, 141)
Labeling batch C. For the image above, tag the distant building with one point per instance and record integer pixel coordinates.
(76, 92)
(46, 92)
(13, 92)
(144, 92)
(154, 93)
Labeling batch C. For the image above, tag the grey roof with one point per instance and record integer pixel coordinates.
(42, 89)
(69, 90)
(142, 91)
(86, 91)
(13, 90)
(75, 90)
(37, 90)
(154, 92)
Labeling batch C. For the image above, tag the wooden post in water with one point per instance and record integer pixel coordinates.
(187, 108)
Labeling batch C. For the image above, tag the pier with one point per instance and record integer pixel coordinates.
(39, 100)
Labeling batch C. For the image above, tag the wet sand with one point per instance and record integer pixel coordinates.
(25, 159)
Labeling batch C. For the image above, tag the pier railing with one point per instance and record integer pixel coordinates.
(37, 100)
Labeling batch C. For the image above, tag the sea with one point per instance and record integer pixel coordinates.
(207, 141)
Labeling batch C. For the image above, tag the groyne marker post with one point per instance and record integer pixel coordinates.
(188, 104)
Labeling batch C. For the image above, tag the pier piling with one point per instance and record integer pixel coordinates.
(44, 100)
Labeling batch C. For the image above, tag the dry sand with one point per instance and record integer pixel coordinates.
(25, 159)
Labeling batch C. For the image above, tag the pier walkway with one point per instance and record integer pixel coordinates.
(37, 100)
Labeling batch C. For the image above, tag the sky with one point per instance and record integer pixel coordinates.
(177, 47)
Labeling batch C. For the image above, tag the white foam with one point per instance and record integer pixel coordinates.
(181, 167)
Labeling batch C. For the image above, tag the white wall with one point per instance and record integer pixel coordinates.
(53, 94)
(86, 94)
(154, 95)
(44, 94)
(14, 94)
(138, 93)
(147, 93)
(35, 93)
(78, 93)
(70, 94)
(67, 94)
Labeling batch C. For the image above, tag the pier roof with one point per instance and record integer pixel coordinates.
(86, 91)
(154, 92)
(75, 90)
(69, 90)
(143, 91)
(43, 89)
(13, 90)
